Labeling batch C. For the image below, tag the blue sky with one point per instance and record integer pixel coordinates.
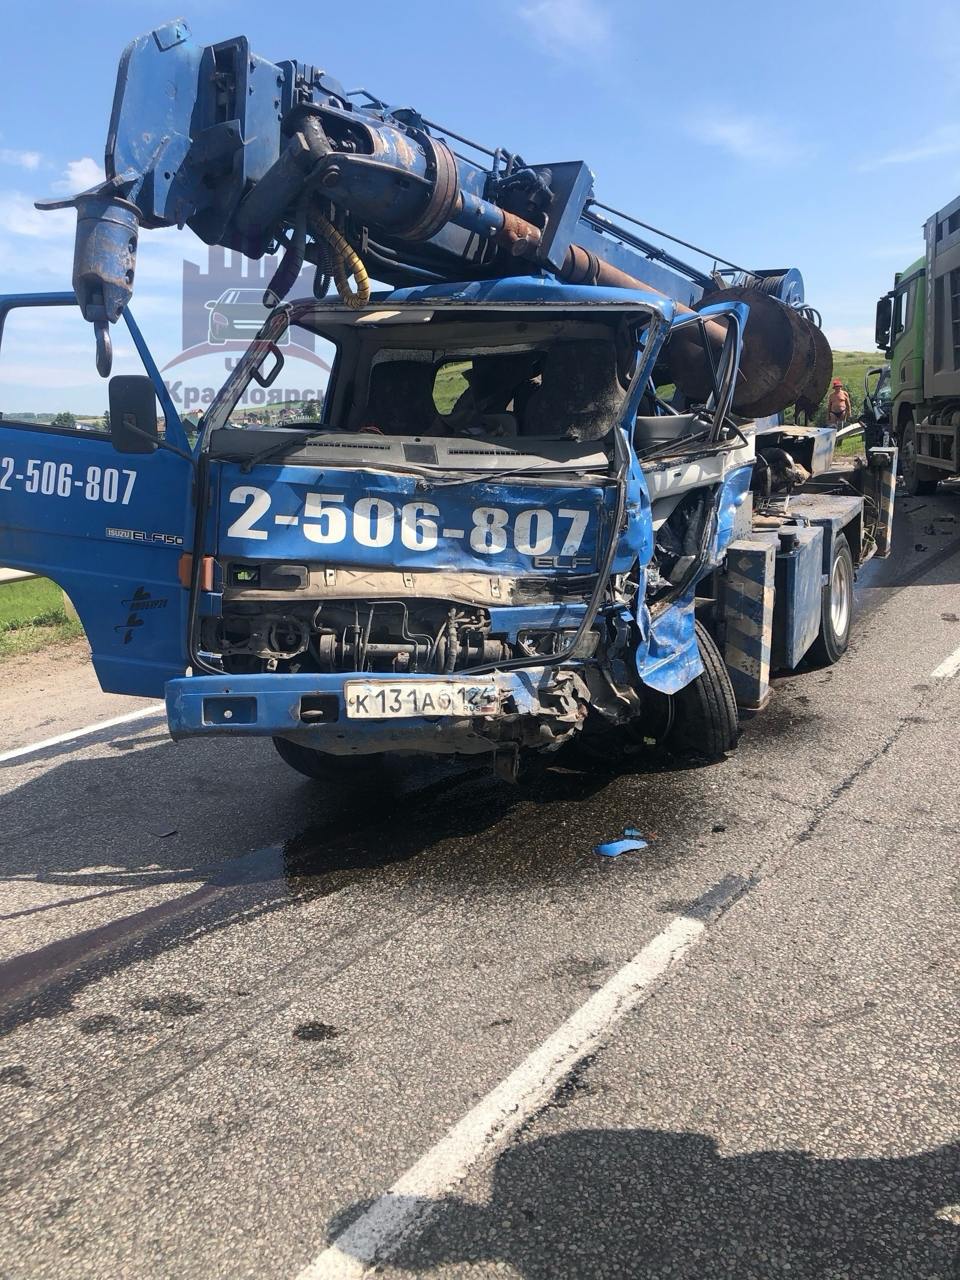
(817, 135)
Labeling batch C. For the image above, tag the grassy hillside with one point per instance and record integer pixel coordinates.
(849, 367)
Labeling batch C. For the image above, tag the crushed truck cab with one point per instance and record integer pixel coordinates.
(500, 536)
(479, 579)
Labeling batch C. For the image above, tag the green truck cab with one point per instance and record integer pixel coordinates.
(918, 327)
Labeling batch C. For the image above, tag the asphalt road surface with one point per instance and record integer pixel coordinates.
(254, 1027)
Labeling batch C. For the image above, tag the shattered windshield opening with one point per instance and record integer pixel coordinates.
(513, 375)
(551, 387)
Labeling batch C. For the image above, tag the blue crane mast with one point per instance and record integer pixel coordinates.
(258, 156)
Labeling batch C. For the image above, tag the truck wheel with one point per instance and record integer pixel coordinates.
(320, 764)
(705, 712)
(836, 607)
(919, 480)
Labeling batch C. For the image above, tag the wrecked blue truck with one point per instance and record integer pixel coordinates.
(606, 534)
(557, 555)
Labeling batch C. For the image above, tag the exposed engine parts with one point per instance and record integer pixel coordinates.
(775, 471)
(355, 635)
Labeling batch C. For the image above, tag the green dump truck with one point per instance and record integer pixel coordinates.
(918, 326)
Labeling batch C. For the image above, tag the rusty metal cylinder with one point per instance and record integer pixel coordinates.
(583, 267)
(784, 356)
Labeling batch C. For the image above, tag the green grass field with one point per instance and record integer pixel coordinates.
(850, 367)
(449, 386)
(32, 616)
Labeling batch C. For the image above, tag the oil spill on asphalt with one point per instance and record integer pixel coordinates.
(313, 1031)
(477, 832)
(783, 719)
(15, 1074)
(97, 1023)
(173, 1004)
(318, 861)
(582, 967)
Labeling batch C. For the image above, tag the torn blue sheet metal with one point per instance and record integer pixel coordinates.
(734, 496)
(667, 656)
(668, 659)
(636, 542)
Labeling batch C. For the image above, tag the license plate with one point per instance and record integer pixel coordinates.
(380, 700)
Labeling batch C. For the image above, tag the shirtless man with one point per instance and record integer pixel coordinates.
(838, 405)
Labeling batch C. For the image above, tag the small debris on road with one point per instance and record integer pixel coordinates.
(629, 843)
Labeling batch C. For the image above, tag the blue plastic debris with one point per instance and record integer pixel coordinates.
(614, 848)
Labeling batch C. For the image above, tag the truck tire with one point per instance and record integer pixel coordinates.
(836, 607)
(918, 480)
(705, 712)
(323, 766)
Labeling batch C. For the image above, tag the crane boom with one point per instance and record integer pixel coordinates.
(259, 156)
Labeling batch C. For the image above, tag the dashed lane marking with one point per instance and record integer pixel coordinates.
(155, 709)
(948, 667)
(403, 1211)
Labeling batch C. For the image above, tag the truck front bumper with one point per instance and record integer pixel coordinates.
(311, 709)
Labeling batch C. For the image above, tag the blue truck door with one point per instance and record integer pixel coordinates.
(108, 528)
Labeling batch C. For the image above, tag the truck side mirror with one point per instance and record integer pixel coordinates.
(884, 317)
(133, 414)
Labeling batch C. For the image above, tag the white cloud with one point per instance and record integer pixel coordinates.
(23, 159)
(944, 141)
(79, 175)
(18, 217)
(749, 138)
(568, 29)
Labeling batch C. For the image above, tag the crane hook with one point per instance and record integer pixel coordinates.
(101, 328)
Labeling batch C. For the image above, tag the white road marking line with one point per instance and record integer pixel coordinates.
(155, 709)
(398, 1214)
(948, 667)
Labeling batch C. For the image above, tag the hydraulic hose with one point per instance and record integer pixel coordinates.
(346, 262)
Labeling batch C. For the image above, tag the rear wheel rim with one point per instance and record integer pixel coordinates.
(841, 597)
